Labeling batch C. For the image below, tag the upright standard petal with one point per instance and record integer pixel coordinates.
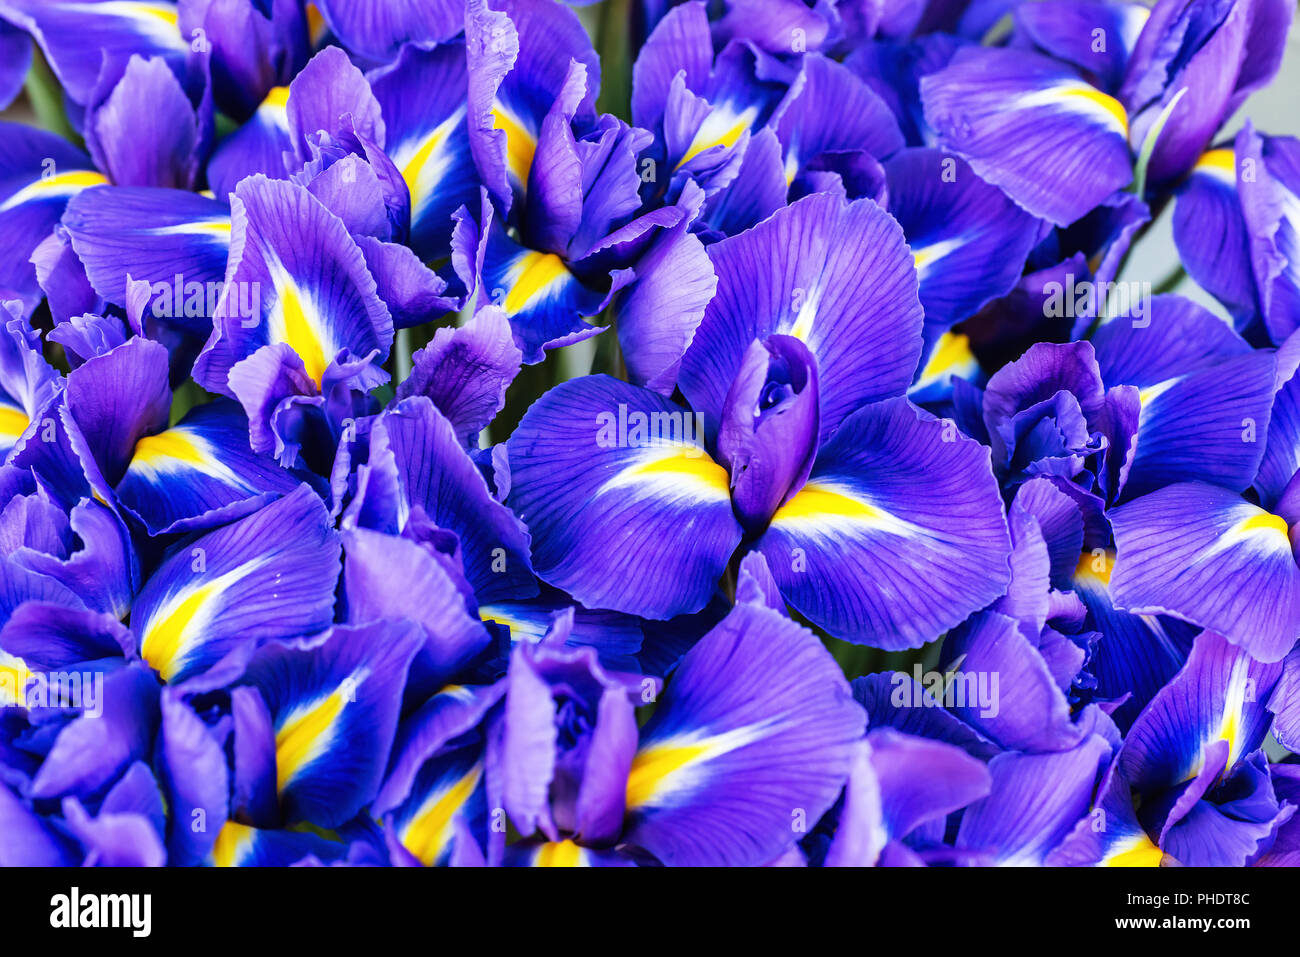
(296, 278)
(837, 277)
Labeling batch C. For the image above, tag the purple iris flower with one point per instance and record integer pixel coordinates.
(798, 443)
(900, 533)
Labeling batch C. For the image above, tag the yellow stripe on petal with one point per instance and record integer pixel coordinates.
(13, 680)
(1220, 163)
(1101, 103)
(423, 165)
(1263, 522)
(1239, 684)
(218, 229)
(660, 768)
(653, 765)
(296, 323)
(233, 841)
(722, 127)
(519, 628)
(926, 256)
(58, 186)
(1096, 568)
(277, 98)
(802, 326)
(157, 11)
(1152, 392)
(952, 352)
(520, 144)
(535, 274)
(430, 829)
(165, 640)
(301, 740)
(168, 635)
(160, 20)
(178, 448)
(1258, 529)
(818, 503)
(1080, 99)
(316, 25)
(689, 465)
(171, 445)
(1143, 853)
(13, 422)
(559, 854)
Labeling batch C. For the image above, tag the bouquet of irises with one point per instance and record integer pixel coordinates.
(429, 441)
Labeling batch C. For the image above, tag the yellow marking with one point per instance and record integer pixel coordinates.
(420, 166)
(1233, 708)
(277, 98)
(60, 185)
(562, 854)
(952, 350)
(1263, 521)
(13, 422)
(171, 444)
(1109, 104)
(653, 765)
(166, 14)
(1152, 392)
(133, 10)
(164, 640)
(813, 502)
(1219, 164)
(720, 128)
(923, 257)
(297, 741)
(519, 628)
(299, 333)
(316, 25)
(13, 680)
(537, 272)
(1087, 567)
(1219, 161)
(520, 144)
(801, 329)
(803, 324)
(178, 447)
(232, 840)
(167, 636)
(697, 466)
(215, 228)
(411, 171)
(1143, 854)
(429, 831)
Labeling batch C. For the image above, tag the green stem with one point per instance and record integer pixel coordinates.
(1170, 282)
(46, 97)
(613, 45)
(402, 355)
